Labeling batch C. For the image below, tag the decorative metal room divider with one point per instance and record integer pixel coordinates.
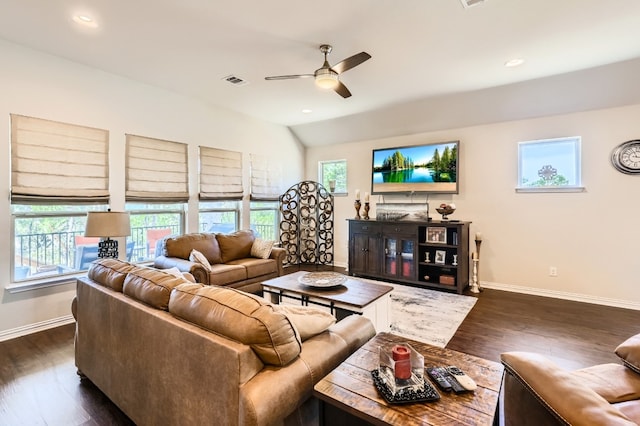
(306, 227)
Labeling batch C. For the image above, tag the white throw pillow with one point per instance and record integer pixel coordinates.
(198, 257)
(261, 248)
(307, 320)
(173, 271)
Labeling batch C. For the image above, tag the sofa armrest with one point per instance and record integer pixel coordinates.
(279, 254)
(537, 391)
(200, 274)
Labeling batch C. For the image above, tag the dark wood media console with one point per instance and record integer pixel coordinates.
(432, 254)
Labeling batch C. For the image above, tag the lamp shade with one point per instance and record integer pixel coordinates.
(107, 224)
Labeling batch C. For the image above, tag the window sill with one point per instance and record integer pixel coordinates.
(42, 283)
(553, 189)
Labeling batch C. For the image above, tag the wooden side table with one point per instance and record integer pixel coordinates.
(348, 396)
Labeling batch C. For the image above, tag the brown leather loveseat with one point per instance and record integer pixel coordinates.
(539, 392)
(168, 351)
(237, 260)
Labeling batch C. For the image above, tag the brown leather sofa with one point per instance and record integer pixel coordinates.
(539, 392)
(229, 257)
(170, 352)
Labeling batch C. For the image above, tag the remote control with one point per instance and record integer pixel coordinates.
(439, 375)
(465, 381)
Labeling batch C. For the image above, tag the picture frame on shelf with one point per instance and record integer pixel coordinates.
(441, 255)
(437, 234)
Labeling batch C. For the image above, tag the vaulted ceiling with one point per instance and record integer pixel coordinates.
(427, 55)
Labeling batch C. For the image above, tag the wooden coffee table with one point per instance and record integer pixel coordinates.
(348, 396)
(354, 296)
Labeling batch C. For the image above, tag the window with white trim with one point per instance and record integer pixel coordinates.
(157, 188)
(550, 165)
(219, 216)
(332, 175)
(59, 171)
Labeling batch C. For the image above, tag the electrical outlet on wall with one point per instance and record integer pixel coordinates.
(553, 271)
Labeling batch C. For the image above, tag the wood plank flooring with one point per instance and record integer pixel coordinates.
(39, 385)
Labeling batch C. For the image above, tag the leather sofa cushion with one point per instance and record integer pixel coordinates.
(613, 382)
(182, 245)
(256, 267)
(110, 272)
(239, 316)
(151, 286)
(629, 352)
(224, 274)
(236, 245)
(561, 392)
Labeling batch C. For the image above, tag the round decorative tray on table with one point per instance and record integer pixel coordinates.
(322, 280)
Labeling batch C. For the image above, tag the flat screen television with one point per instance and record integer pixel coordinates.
(429, 168)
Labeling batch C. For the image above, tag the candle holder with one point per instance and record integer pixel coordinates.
(477, 266)
(366, 210)
(357, 206)
(474, 278)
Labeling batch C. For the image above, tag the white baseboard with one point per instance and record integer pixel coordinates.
(36, 327)
(616, 303)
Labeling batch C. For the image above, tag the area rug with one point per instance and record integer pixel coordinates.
(427, 315)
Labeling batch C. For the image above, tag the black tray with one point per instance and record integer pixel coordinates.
(429, 393)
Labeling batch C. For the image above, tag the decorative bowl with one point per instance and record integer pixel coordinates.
(445, 211)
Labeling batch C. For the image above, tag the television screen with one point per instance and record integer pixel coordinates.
(431, 168)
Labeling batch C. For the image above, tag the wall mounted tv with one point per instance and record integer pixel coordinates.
(431, 168)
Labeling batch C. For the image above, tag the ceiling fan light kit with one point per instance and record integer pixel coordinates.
(327, 76)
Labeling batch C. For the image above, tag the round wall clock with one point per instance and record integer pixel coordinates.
(626, 157)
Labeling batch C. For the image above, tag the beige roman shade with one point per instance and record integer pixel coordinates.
(57, 162)
(157, 170)
(266, 179)
(220, 174)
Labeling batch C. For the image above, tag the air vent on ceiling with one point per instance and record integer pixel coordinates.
(469, 3)
(237, 81)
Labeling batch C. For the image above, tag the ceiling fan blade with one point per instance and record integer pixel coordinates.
(342, 90)
(351, 62)
(288, 77)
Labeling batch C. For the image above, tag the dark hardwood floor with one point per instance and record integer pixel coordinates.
(39, 385)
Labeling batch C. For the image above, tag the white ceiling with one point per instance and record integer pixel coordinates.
(421, 49)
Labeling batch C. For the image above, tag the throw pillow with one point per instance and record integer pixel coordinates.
(629, 352)
(261, 248)
(200, 258)
(173, 271)
(236, 245)
(307, 320)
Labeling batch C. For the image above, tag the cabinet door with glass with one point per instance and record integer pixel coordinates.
(399, 254)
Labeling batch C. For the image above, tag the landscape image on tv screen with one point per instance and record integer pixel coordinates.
(420, 168)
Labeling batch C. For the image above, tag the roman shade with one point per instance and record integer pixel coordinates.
(58, 162)
(220, 174)
(266, 179)
(157, 170)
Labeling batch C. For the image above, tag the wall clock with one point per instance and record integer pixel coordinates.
(626, 157)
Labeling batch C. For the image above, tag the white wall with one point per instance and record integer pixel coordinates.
(590, 237)
(47, 87)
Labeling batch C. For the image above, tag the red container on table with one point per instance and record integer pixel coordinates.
(402, 357)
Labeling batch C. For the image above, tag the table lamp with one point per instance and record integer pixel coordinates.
(106, 225)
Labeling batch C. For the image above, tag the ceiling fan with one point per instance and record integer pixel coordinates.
(327, 76)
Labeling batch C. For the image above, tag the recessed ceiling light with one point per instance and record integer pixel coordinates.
(85, 20)
(307, 111)
(515, 62)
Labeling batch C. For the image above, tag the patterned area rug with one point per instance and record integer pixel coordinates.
(427, 315)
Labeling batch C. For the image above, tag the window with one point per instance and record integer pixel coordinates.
(549, 165)
(333, 176)
(219, 216)
(150, 223)
(59, 171)
(265, 219)
(48, 240)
